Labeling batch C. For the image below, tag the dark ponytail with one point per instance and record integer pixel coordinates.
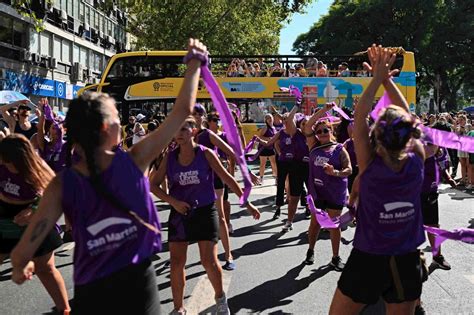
(84, 121)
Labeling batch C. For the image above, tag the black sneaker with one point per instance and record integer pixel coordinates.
(419, 310)
(277, 213)
(337, 263)
(309, 257)
(441, 262)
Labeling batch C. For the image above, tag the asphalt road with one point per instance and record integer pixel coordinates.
(270, 277)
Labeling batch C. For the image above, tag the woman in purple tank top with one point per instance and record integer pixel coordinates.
(385, 261)
(329, 166)
(190, 170)
(107, 199)
(293, 152)
(209, 139)
(268, 153)
(23, 178)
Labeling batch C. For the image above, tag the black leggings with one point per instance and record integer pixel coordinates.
(131, 290)
(297, 172)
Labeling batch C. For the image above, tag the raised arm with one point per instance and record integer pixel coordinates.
(308, 128)
(291, 125)
(49, 211)
(147, 149)
(381, 61)
(6, 115)
(41, 123)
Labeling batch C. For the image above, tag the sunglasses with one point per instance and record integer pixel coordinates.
(214, 120)
(324, 130)
(23, 108)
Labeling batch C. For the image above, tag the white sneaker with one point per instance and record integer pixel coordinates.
(221, 306)
(287, 227)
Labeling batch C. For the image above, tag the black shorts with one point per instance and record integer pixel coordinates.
(131, 290)
(366, 277)
(10, 238)
(267, 152)
(325, 205)
(219, 184)
(201, 224)
(298, 174)
(429, 208)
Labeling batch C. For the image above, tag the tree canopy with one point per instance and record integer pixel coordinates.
(225, 26)
(439, 32)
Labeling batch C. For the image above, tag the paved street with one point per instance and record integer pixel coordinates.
(270, 277)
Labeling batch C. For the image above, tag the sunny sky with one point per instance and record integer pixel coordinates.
(301, 23)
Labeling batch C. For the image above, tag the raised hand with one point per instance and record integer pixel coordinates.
(381, 60)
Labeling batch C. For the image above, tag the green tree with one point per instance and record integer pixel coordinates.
(226, 26)
(440, 32)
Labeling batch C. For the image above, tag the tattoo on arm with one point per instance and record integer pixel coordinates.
(39, 229)
(346, 164)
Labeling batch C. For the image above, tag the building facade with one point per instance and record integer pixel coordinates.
(79, 37)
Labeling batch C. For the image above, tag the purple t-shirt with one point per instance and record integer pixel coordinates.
(431, 175)
(204, 138)
(107, 238)
(321, 185)
(55, 157)
(349, 144)
(194, 183)
(389, 218)
(286, 147)
(15, 187)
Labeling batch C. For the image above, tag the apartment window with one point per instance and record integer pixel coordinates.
(93, 22)
(83, 57)
(34, 41)
(87, 11)
(66, 51)
(75, 53)
(45, 39)
(20, 34)
(70, 8)
(6, 29)
(109, 27)
(101, 22)
(81, 11)
(64, 5)
(57, 48)
(76, 5)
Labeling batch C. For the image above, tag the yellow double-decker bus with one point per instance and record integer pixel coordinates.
(152, 79)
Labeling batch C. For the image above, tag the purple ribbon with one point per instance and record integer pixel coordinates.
(463, 235)
(256, 155)
(294, 91)
(383, 102)
(250, 145)
(341, 112)
(228, 123)
(448, 139)
(324, 220)
(441, 138)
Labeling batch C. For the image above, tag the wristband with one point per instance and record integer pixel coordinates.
(194, 54)
(337, 173)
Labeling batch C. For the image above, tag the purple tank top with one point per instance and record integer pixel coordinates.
(286, 147)
(14, 186)
(221, 153)
(194, 183)
(204, 138)
(349, 144)
(389, 218)
(108, 239)
(431, 175)
(321, 185)
(300, 147)
(56, 159)
(269, 133)
(278, 127)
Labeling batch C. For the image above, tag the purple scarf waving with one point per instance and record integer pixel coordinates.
(463, 235)
(228, 122)
(324, 220)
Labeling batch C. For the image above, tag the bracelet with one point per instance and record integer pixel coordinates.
(336, 173)
(194, 54)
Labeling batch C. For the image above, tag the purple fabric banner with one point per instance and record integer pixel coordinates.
(464, 235)
(250, 145)
(341, 112)
(324, 220)
(256, 155)
(228, 123)
(294, 91)
(448, 139)
(383, 102)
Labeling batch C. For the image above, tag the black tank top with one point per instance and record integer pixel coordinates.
(27, 133)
